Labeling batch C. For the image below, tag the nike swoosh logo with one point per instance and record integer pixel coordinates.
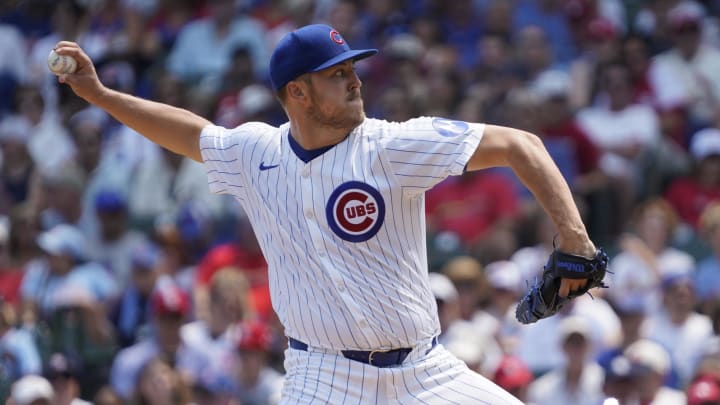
(263, 167)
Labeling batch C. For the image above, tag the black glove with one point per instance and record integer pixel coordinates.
(542, 300)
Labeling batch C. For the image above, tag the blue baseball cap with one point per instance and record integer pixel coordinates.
(310, 49)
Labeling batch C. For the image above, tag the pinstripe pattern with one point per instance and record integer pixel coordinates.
(344, 237)
(438, 378)
(328, 291)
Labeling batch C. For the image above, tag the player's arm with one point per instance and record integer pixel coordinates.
(526, 155)
(170, 127)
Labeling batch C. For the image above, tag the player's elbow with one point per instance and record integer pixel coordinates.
(523, 147)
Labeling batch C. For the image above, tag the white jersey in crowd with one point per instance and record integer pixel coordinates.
(344, 231)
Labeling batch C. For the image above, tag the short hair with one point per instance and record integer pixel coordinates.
(230, 281)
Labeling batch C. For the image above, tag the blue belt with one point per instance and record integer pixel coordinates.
(377, 358)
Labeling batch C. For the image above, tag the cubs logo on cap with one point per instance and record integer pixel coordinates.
(310, 49)
(355, 211)
(336, 37)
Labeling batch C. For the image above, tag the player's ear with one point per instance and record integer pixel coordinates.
(296, 91)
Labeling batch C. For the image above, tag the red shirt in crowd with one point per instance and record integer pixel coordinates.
(471, 204)
(689, 199)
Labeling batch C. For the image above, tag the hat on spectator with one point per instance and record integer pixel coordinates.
(31, 388)
(169, 300)
(601, 28)
(574, 325)
(705, 142)
(110, 200)
(404, 46)
(621, 368)
(703, 391)
(685, 14)
(60, 365)
(677, 264)
(629, 304)
(463, 269)
(145, 256)
(512, 373)
(650, 354)
(91, 116)
(15, 128)
(504, 275)
(310, 49)
(254, 335)
(64, 239)
(442, 288)
(674, 279)
(550, 84)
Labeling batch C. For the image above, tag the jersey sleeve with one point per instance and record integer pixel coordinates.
(221, 151)
(424, 151)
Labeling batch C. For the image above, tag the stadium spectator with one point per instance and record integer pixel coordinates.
(63, 374)
(579, 380)
(164, 185)
(170, 308)
(656, 364)
(211, 338)
(19, 355)
(477, 207)
(646, 255)
(691, 194)
(49, 142)
(620, 382)
(32, 390)
(116, 240)
(707, 275)
(192, 60)
(17, 165)
(625, 132)
(159, 383)
(514, 376)
(683, 76)
(64, 273)
(257, 383)
(677, 326)
(132, 312)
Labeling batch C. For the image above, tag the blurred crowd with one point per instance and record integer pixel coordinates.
(123, 280)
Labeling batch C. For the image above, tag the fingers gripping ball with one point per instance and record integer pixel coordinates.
(61, 64)
(543, 299)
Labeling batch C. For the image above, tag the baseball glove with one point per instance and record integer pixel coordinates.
(543, 299)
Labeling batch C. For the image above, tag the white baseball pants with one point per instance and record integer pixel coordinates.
(322, 377)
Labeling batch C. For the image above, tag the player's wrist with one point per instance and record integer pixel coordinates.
(577, 243)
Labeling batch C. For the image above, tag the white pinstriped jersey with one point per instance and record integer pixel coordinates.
(344, 233)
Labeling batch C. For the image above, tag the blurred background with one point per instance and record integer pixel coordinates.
(123, 280)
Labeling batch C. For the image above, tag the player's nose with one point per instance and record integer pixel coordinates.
(355, 82)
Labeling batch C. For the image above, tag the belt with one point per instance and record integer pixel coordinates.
(377, 358)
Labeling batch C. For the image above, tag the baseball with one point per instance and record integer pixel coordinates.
(60, 64)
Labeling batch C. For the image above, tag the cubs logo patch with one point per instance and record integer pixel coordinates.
(336, 37)
(450, 128)
(355, 211)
